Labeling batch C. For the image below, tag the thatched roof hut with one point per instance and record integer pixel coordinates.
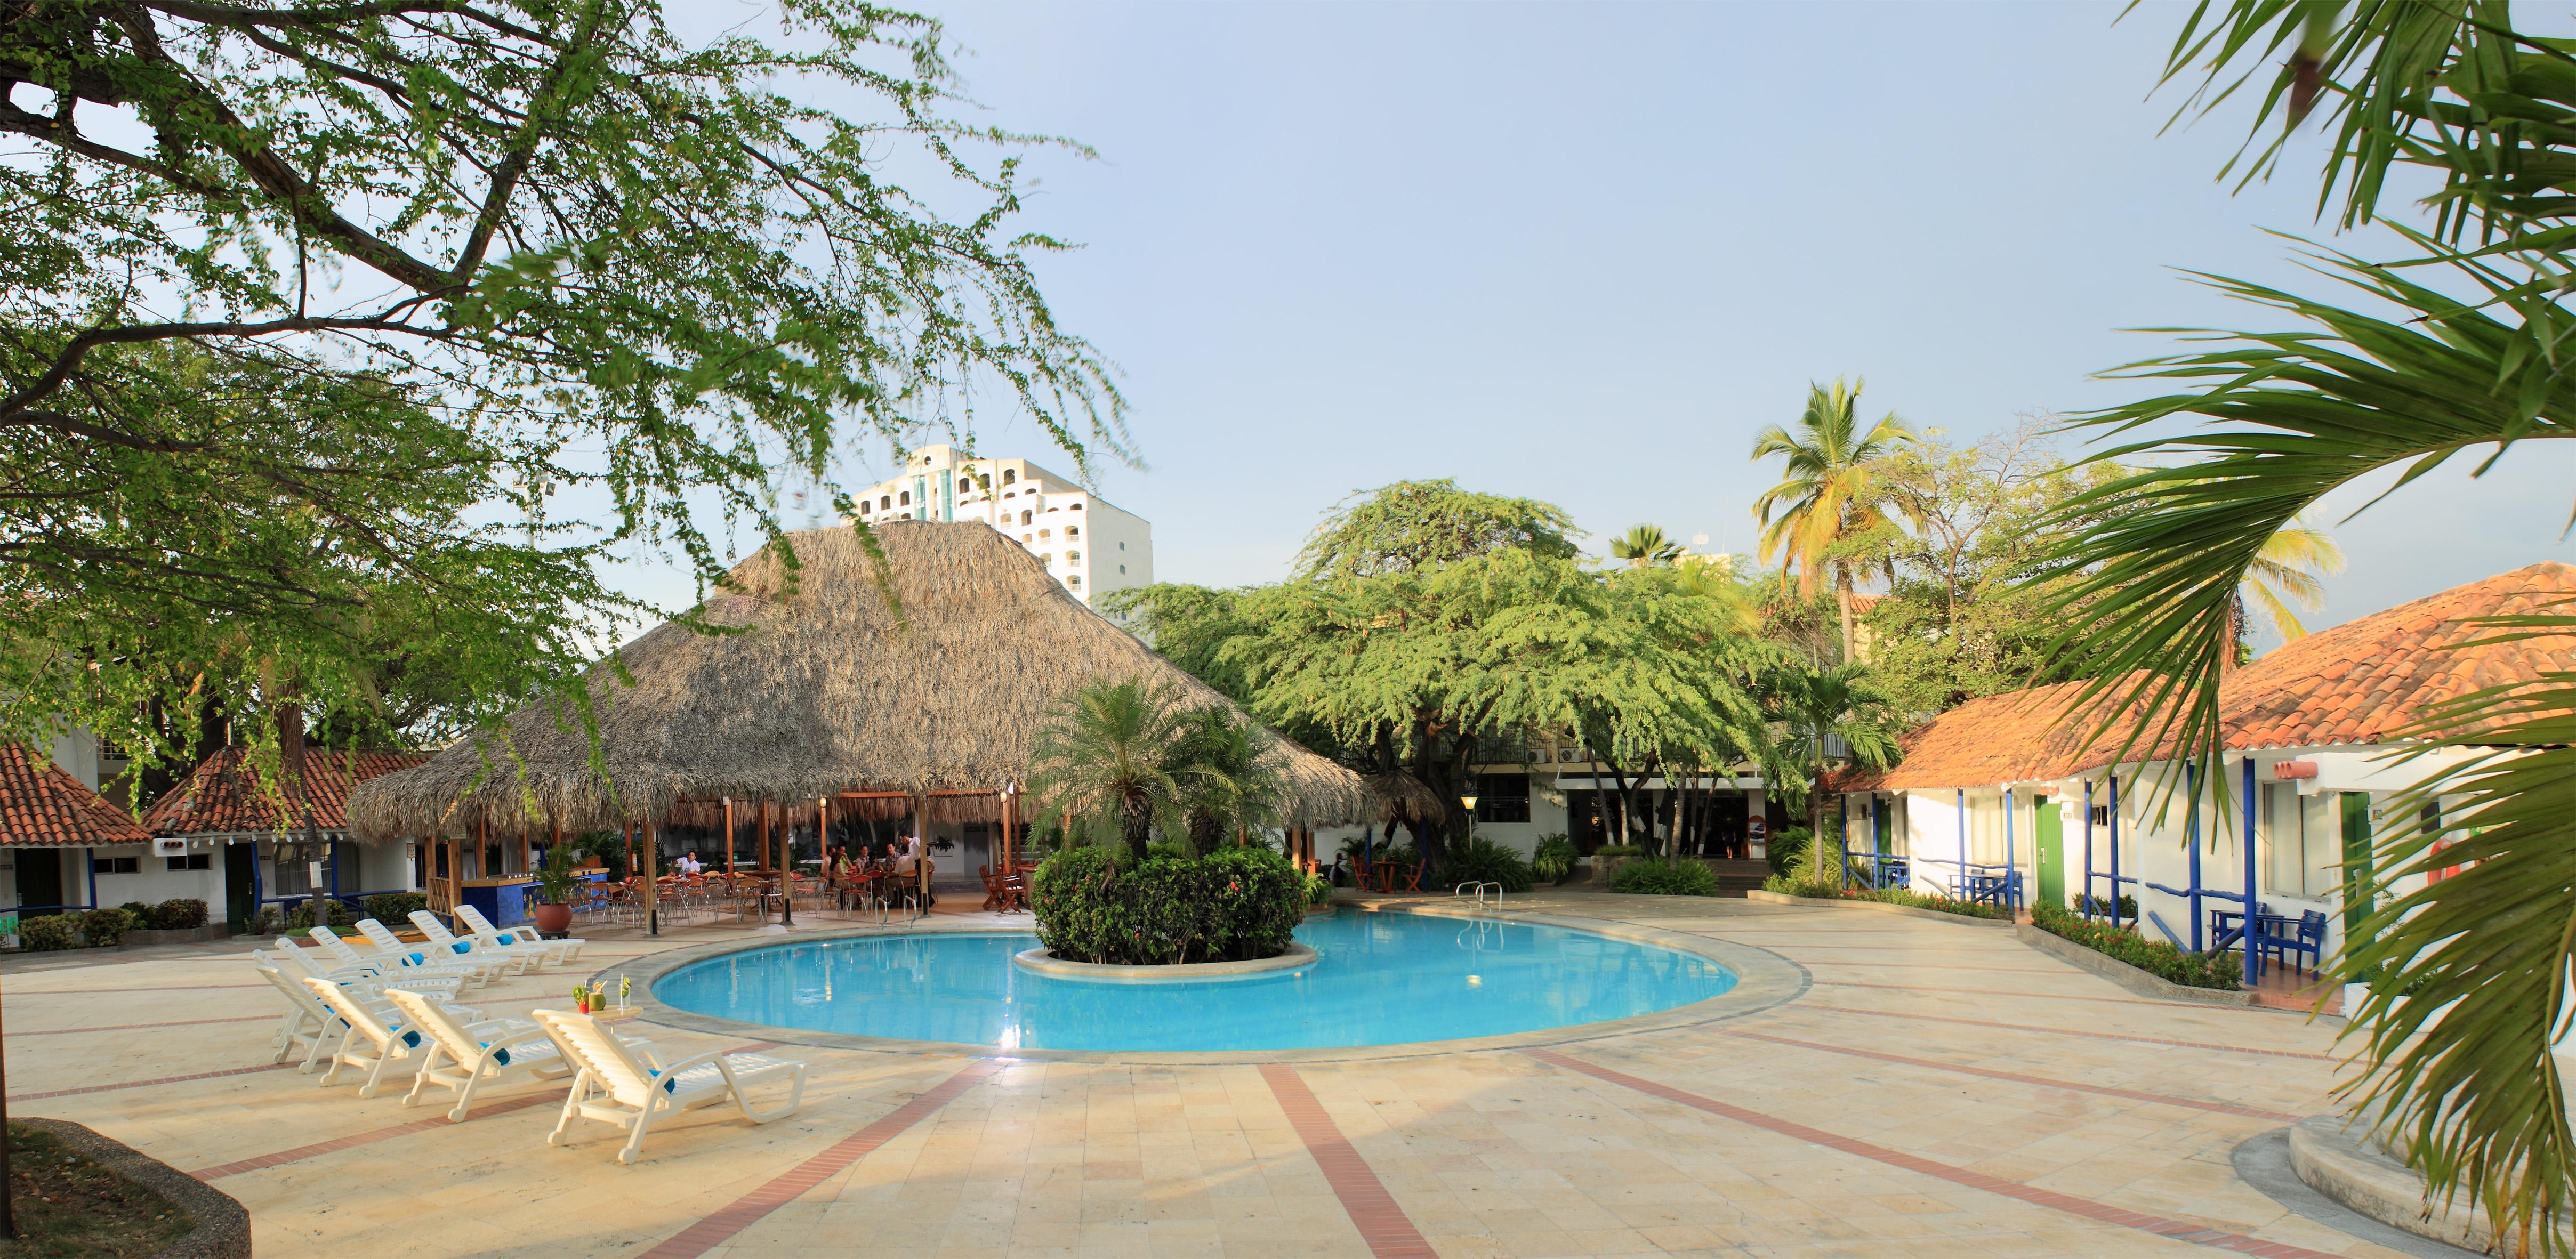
(822, 689)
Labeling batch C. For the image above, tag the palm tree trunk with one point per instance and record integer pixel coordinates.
(1843, 596)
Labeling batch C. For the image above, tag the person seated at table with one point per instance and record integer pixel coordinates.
(689, 865)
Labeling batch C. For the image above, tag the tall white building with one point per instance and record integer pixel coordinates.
(1088, 544)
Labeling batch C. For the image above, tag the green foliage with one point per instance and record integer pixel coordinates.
(48, 934)
(1832, 891)
(1128, 758)
(317, 372)
(1319, 890)
(1481, 860)
(105, 928)
(1832, 494)
(1658, 878)
(1554, 858)
(2102, 905)
(1412, 526)
(2156, 957)
(1619, 850)
(180, 913)
(139, 911)
(609, 847)
(1168, 848)
(394, 909)
(1094, 905)
(1787, 850)
(2458, 347)
(1788, 885)
(556, 883)
(336, 914)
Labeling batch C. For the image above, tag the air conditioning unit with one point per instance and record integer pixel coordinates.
(169, 848)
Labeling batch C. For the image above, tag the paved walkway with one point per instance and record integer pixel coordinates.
(1939, 1089)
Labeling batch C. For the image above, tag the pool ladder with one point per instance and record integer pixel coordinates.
(1460, 892)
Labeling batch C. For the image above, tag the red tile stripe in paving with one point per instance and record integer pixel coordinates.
(2036, 996)
(2063, 1031)
(354, 1140)
(71, 992)
(167, 1079)
(1389, 1232)
(2219, 1108)
(136, 1027)
(2178, 1230)
(697, 1239)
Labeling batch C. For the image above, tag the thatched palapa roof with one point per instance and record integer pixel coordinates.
(823, 689)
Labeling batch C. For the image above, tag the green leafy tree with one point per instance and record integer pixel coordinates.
(1413, 525)
(1103, 760)
(324, 329)
(1832, 493)
(2458, 348)
(1814, 710)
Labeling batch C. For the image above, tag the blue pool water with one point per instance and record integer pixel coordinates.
(1379, 979)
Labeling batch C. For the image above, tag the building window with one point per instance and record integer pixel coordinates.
(1009, 475)
(116, 865)
(1026, 517)
(1027, 538)
(2302, 841)
(193, 861)
(1502, 798)
(1074, 582)
(883, 502)
(1122, 546)
(904, 499)
(1047, 559)
(1122, 568)
(1073, 531)
(1077, 507)
(1073, 557)
(1046, 533)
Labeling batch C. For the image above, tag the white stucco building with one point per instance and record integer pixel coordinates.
(1088, 544)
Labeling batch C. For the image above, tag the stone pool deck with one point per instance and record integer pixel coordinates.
(1934, 1089)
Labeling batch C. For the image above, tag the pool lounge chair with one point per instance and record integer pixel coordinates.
(463, 1055)
(372, 1040)
(558, 952)
(369, 979)
(308, 1023)
(391, 955)
(433, 957)
(616, 1087)
(522, 957)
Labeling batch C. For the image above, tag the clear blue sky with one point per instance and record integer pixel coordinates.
(1583, 252)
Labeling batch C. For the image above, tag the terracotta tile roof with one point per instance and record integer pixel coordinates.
(2360, 682)
(224, 795)
(43, 806)
(2366, 680)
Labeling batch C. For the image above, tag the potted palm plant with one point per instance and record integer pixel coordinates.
(556, 887)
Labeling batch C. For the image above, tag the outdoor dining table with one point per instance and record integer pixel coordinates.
(2226, 927)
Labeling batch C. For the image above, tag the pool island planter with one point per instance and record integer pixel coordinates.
(222, 1225)
(1043, 961)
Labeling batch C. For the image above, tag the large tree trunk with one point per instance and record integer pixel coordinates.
(290, 744)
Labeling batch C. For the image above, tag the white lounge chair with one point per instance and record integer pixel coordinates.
(615, 1087)
(372, 1040)
(308, 1022)
(399, 958)
(475, 1052)
(366, 977)
(520, 958)
(432, 955)
(558, 952)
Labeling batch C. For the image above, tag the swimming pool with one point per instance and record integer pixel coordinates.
(1379, 979)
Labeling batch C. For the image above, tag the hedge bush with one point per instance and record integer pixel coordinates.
(48, 934)
(1554, 858)
(2102, 905)
(1234, 904)
(105, 928)
(1787, 850)
(179, 913)
(301, 917)
(2156, 957)
(1618, 850)
(1657, 878)
(1481, 860)
(140, 912)
(394, 908)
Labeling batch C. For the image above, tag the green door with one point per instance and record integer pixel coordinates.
(241, 887)
(1883, 820)
(2358, 900)
(2048, 829)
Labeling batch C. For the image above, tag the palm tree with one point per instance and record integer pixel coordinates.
(2291, 568)
(1831, 493)
(1814, 710)
(1103, 758)
(1227, 778)
(1645, 546)
(2464, 975)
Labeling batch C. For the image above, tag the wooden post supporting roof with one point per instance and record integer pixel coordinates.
(652, 901)
(728, 806)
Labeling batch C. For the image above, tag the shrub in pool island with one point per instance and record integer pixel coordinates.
(394, 908)
(1095, 904)
(1657, 878)
(2156, 957)
(179, 913)
(1481, 860)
